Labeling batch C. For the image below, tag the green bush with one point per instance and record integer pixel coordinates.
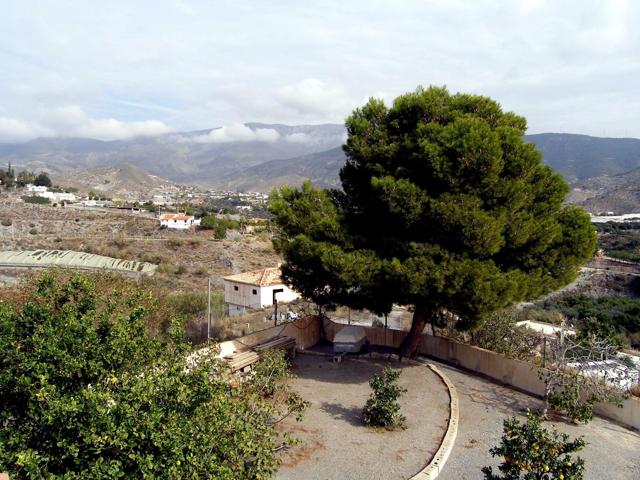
(36, 200)
(382, 408)
(33, 231)
(87, 392)
(6, 222)
(530, 451)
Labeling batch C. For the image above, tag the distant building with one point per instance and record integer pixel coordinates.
(36, 188)
(57, 196)
(178, 221)
(255, 289)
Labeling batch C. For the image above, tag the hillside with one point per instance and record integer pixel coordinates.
(321, 168)
(257, 156)
(201, 157)
(121, 181)
(578, 157)
(619, 193)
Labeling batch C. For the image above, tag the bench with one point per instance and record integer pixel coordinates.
(242, 359)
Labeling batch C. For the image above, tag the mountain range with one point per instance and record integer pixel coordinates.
(258, 156)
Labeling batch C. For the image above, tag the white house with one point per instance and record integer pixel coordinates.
(178, 220)
(36, 188)
(256, 289)
(58, 196)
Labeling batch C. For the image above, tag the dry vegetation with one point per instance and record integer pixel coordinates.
(185, 259)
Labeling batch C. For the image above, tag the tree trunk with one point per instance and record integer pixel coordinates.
(411, 341)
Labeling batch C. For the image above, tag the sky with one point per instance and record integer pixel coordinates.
(121, 68)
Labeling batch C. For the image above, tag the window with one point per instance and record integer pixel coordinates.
(255, 292)
(235, 287)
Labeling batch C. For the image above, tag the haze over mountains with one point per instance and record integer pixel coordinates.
(256, 156)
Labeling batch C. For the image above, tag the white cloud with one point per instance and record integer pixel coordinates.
(14, 130)
(298, 138)
(72, 121)
(238, 132)
(315, 97)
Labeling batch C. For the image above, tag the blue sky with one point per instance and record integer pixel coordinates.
(122, 68)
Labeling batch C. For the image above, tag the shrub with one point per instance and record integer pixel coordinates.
(174, 243)
(382, 408)
(36, 200)
(530, 451)
(88, 393)
(33, 231)
(6, 222)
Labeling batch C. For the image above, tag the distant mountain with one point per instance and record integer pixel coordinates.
(321, 168)
(619, 193)
(258, 156)
(121, 181)
(578, 157)
(192, 157)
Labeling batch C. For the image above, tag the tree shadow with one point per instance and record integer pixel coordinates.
(350, 415)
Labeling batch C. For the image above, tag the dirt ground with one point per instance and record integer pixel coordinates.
(334, 441)
(612, 452)
(185, 258)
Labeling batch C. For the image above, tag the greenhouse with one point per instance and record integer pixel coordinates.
(73, 260)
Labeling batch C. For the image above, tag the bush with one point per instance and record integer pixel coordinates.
(382, 408)
(87, 392)
(530, 451)
(33, 231)
(36, 200)
(6, 222)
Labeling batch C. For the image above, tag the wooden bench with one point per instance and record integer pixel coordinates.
(242, 359)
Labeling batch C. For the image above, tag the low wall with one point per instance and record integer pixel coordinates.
(520, 375)
(515, 373)
(306, 331)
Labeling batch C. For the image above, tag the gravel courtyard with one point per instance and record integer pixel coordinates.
(334, 442)
(612, 452)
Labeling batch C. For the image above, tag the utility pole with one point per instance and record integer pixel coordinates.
(209, 310)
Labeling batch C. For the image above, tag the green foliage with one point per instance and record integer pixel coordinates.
(499, 333)
(382, 408)
(87, 392)
(622, 314)
(219, 225)
(6, 222)
(35, 199)
(443, 206)
(620, 240)
(532, 452)
(42, 180)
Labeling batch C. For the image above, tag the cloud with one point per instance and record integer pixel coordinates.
(298, 138)
(238, 132)
(14, 130)
(314, 97)
(72, 121)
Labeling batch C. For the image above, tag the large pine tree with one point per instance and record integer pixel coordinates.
(444, 206)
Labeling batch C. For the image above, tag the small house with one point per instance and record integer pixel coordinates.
(255, 289)
(178, 221)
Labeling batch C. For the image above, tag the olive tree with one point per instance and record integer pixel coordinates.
(443, 206)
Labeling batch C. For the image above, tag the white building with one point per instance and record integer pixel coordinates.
(36, 188)
(58, 196)
(256, 289)
(178, 220)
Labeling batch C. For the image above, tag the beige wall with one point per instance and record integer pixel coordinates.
(306, 331)
(514, 373)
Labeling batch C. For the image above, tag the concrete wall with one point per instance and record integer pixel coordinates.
(520, 375)
(306, 331)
